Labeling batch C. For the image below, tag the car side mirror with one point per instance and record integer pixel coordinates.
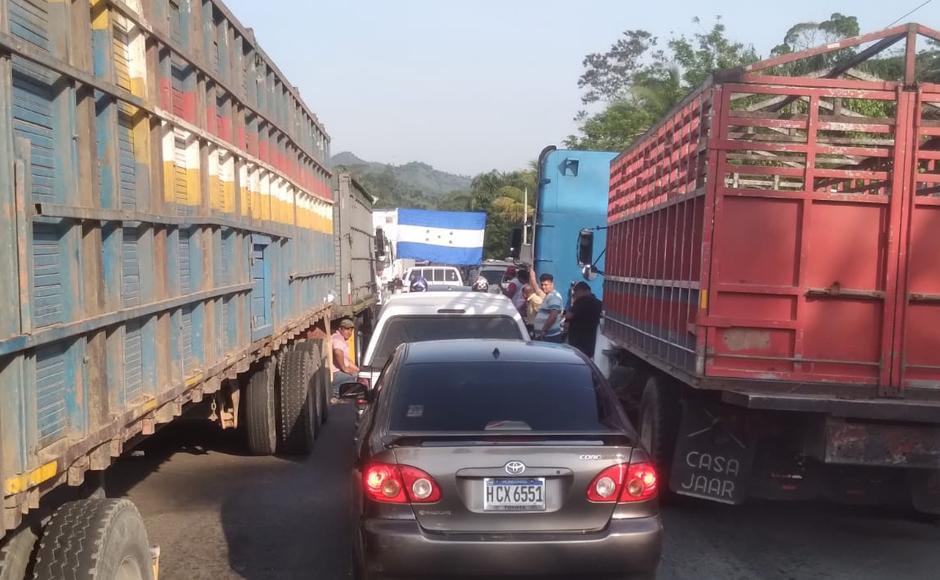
(379, 243)
(589, 273)
(355, 391)
(585, 248)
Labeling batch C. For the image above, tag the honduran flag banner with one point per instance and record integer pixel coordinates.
(442, 237)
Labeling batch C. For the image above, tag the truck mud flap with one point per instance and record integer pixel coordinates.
(713, 457)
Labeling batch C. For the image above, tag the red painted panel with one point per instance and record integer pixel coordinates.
(757, 241)
(211, 120)
(853, 237)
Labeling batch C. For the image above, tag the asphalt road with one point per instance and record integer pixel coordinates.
(218, 514)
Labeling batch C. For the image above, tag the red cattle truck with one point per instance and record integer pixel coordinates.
(772, 288)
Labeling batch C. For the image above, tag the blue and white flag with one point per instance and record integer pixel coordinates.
(442, 237)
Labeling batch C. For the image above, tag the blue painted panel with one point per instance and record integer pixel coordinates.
(130, 265)
(127, 163)
(227, 263)
(29, 20)
(185, 261)
(186, 340)
(261, 322)
(52, 377)
(175, 16)
(133, 360)
(572, 196)
(34, 119)
(49, 275)
(149, 347)
(103, 108)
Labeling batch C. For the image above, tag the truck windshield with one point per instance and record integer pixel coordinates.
(402, 329)
(497, 396)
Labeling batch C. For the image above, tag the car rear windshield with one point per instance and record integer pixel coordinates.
(493, 276)
(500, 397)
(402, 329)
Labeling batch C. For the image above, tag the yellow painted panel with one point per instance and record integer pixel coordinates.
(19, 483)
(169, 177)
(99, 15)
(192, 187)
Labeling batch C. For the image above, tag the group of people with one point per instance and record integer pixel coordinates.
(543, 308)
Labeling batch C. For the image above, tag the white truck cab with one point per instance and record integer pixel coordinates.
(435, 275)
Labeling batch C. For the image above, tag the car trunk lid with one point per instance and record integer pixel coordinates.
(484, 481)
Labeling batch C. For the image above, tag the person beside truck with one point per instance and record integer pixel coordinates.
(582, 318)
(344, 369)
(550, 314)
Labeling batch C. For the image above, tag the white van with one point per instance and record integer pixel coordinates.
(435, 275)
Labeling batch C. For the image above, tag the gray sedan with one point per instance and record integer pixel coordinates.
(499, 458)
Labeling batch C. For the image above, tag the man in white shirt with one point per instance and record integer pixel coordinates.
(344, 369)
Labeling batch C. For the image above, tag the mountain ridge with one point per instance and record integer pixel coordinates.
(412, 184)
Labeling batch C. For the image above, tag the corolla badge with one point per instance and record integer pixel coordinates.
(515, 468)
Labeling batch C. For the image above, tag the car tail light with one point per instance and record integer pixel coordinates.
(420, 486)
(382, 483)
(623, 483)
(640, 484)
(607, 485)
(387, 483)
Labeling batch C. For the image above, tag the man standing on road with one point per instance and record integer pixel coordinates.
(548, 319)
(512, 288)
(583, 318)
(344, 369)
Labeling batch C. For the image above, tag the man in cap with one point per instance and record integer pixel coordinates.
(344, 369)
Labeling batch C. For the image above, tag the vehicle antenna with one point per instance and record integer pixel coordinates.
(909, 13)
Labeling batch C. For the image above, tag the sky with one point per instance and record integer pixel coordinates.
(470, 86)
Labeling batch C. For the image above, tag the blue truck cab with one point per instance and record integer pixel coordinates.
(572, 197)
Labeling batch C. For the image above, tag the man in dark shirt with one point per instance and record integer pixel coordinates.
(583, 318)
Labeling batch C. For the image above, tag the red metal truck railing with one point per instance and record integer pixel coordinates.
(786, 228)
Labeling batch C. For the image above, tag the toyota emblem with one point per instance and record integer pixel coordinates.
(515, 468)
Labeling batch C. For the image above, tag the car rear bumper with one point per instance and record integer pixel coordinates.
(402, 548)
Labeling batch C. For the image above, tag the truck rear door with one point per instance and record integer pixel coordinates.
(917, 334)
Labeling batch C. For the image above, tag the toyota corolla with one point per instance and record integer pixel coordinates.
(499, 458)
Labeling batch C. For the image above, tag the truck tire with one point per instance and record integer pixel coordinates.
(659, 424)
(325, 378)
(16, 554)
(260, 411)
(326, 393)
(94, 539)
(628, 382)
(297, 401)
(315, 348)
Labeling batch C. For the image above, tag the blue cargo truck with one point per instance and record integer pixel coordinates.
(166, 243)
(572, 198)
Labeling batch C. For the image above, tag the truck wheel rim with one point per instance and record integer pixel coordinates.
(129, 570)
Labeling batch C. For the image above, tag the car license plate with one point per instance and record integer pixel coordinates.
(514, 494)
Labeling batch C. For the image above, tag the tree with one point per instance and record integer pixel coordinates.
(637, 82)
(502, 195)
(805, 35)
